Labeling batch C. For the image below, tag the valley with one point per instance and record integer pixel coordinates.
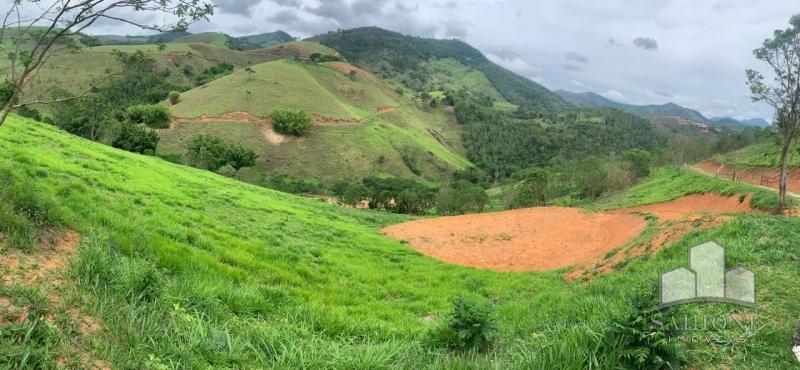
(360, 198)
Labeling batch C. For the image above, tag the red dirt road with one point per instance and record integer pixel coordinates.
(537, 239)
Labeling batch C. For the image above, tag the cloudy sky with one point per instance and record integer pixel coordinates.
(692, 52)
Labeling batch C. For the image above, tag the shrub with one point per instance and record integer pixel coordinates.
(354, 194)
(137, 139)
(212, 153)
(639, 162)
(174, 97)
(151, 115)
(469, 328)
(206, 152)
(239, 157)
(29, 112)
(643, 343)
(291, 122)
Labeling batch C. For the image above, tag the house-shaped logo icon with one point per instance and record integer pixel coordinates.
(705, 280)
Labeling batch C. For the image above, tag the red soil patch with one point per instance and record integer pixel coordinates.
(694, 205)
(537, 239)
(520, 240)
(767, 177)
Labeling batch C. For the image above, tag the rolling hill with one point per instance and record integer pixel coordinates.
(362, 126)
(266, 40)
(195, 270)
(739, 124)
(590, 99)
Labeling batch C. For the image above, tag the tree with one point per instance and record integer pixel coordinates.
(291, 122)
(207, 152)
(639, 161)
(151, 115)
(240, 157)
(56, 29)
(782, 54)
(593, 178)
(136, 138)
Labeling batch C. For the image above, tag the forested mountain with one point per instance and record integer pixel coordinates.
(396, 56)
(739, 124)
(590, 99)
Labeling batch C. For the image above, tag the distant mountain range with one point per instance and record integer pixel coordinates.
(590, 99)
(261, 40)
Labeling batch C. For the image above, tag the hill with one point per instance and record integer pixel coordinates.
(266, 40)
(362, 126)
(728, 122)
(405, 59)
(195, 270)
(140, 40)
(590, 99)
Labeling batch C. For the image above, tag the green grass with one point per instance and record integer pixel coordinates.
(452, 75)
(670, 183)
(765, 154)
(212, 38)
(290, 85)
(78, 71)
(187, 269)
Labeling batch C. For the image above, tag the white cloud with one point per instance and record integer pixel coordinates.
(615, 96)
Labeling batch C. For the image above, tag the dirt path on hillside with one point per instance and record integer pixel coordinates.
(545, 238)
(764, 177)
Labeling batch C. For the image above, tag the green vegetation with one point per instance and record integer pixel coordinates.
(291, 122)
(196, 270)
(151, 115)
(211, 153)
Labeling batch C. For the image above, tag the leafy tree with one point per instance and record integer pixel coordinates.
(206, 152)
(212, 153)
(593, 177)
(239, 157)
(639, 161)
(136, 138)
(89, 116)
(782, 54)
(151, 115)
(460, 198)
(59, 26)
(291, 122)
(354, 194)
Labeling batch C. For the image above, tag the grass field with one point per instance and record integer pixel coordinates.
(287, 84)
(186, 269)
(212, 38)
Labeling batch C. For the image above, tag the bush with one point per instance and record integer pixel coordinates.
(291, 122)
(239, 157)
(639, 161)
(174, 97)
(29, 112)
(206, 152)
(151, 115)
(212, 153)
(137, 139)
(469, 328)
(643, 343)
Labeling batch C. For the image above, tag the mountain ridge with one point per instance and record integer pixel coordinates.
(591, 99)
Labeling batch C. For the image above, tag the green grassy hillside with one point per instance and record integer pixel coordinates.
(217, 39)
(186, 269)
(375, 145)
(319, 89)
(765, 154)
(77, 71)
